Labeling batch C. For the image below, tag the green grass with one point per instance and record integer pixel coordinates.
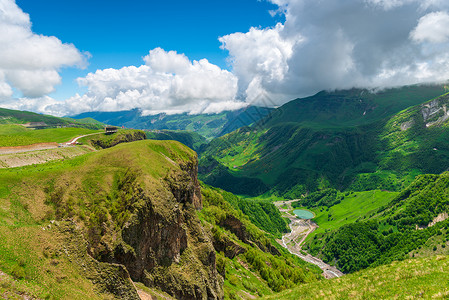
(32, 196)
(353, 207)
(436, 245)
(239, 279)
(12, 136)
(102, 141)
(38, 268)
(12, 129)
(415, 278)
(343, 139)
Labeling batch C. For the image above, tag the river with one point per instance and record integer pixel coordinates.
(293, 241)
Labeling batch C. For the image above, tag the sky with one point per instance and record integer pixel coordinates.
(68, 57)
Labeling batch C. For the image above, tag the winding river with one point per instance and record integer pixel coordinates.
(300, 229)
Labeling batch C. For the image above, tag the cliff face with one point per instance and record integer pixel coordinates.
(137, 205)
(122, 136)
(168, 247)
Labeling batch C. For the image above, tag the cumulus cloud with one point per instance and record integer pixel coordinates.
(342, 44)
(30, 62)
(168, 82)
(433, 28)
(322, 44)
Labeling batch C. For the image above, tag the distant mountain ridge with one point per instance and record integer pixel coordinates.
(10, 116)
(207, 125)
(330, 139)
(354, 107)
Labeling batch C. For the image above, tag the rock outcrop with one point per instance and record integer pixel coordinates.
(164, 244)
(143, 200)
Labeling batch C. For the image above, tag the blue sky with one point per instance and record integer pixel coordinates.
(209, 56)
(119, 33)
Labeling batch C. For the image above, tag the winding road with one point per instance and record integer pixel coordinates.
(293, 241)
(75, 140)
(11, 157)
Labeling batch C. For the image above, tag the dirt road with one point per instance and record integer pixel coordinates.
(11, 157)
(28, 148)
(74, 140)
(293, 241)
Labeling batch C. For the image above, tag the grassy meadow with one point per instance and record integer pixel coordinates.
(355, 206)
(17, 135)
(410, 279)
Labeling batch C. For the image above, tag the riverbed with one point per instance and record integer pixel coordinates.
(300, 229)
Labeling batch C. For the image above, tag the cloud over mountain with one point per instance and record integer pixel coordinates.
(342, 44)
(168, 82)
(321, 45)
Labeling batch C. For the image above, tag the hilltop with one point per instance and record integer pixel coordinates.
(135, 211)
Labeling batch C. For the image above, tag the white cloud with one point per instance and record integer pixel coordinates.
(260, 57)
(168, 82)
(41, 105)
(433, 28)
(342, 44)
(30, 62)
(324, 44)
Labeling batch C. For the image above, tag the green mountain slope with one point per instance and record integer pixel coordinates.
(136, 211)
(348, 108)
(311, 145)
(415, 219)
(207, 125)
(9, 116)
(191, 139)
(414, 278)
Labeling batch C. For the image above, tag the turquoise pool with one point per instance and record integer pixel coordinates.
(303, 214)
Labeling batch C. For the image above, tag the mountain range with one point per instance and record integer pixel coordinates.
(207, 125)
(353, 139)
(119, 217)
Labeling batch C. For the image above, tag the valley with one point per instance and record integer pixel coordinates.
(224, 150)
(299, 231)
(135, 214)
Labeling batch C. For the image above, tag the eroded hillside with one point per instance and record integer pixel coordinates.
(134, 205)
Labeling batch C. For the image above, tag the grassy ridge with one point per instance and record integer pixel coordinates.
(414, 278)
(103, 140)
(9, 116)
(191, 139)
(30, 197)
(12, 135)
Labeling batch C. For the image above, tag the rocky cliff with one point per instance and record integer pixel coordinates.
(136, 206)
(164, 244)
